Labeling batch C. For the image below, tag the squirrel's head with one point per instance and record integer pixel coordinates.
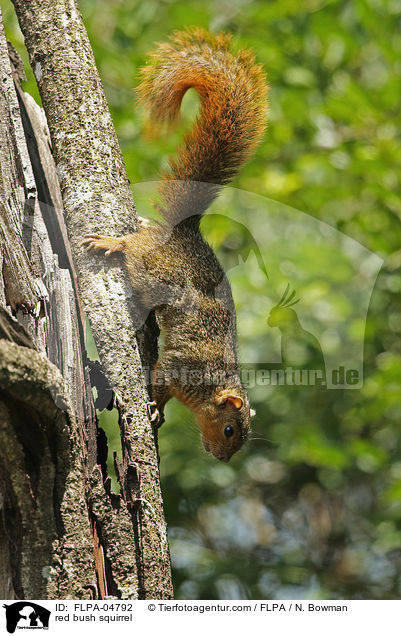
(282, 314)
(226, 423)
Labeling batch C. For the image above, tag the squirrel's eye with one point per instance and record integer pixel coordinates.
(228, 431)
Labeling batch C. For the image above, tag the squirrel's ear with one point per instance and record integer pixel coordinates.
(252, 413)
(234, 400)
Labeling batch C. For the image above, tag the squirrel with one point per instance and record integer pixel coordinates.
(170, 264)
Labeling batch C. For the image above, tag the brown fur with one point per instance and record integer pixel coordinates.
(171, 265)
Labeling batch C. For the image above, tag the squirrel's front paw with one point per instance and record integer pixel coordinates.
(106, 244)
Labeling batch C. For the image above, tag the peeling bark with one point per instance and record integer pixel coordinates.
(42, 467)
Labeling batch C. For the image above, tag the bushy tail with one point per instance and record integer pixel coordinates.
(231, 122)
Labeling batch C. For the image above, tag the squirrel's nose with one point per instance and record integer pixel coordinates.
(224, 459)
(222, 455)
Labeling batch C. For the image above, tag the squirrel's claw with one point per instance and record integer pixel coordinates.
(106, 244)
(156, 418)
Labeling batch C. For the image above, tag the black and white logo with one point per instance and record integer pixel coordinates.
(26, 615)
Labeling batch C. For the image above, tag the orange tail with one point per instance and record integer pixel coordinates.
(232, 119)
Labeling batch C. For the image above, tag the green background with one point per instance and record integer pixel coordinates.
(310, 508)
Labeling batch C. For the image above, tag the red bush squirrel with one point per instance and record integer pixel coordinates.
(170, 264)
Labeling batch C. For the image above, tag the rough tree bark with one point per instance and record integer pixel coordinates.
(64, 534)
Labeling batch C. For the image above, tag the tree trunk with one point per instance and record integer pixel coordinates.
(64, 534)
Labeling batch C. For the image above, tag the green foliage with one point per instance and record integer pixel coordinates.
(310, 508)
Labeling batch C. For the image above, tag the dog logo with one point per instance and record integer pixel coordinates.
(26, 615)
